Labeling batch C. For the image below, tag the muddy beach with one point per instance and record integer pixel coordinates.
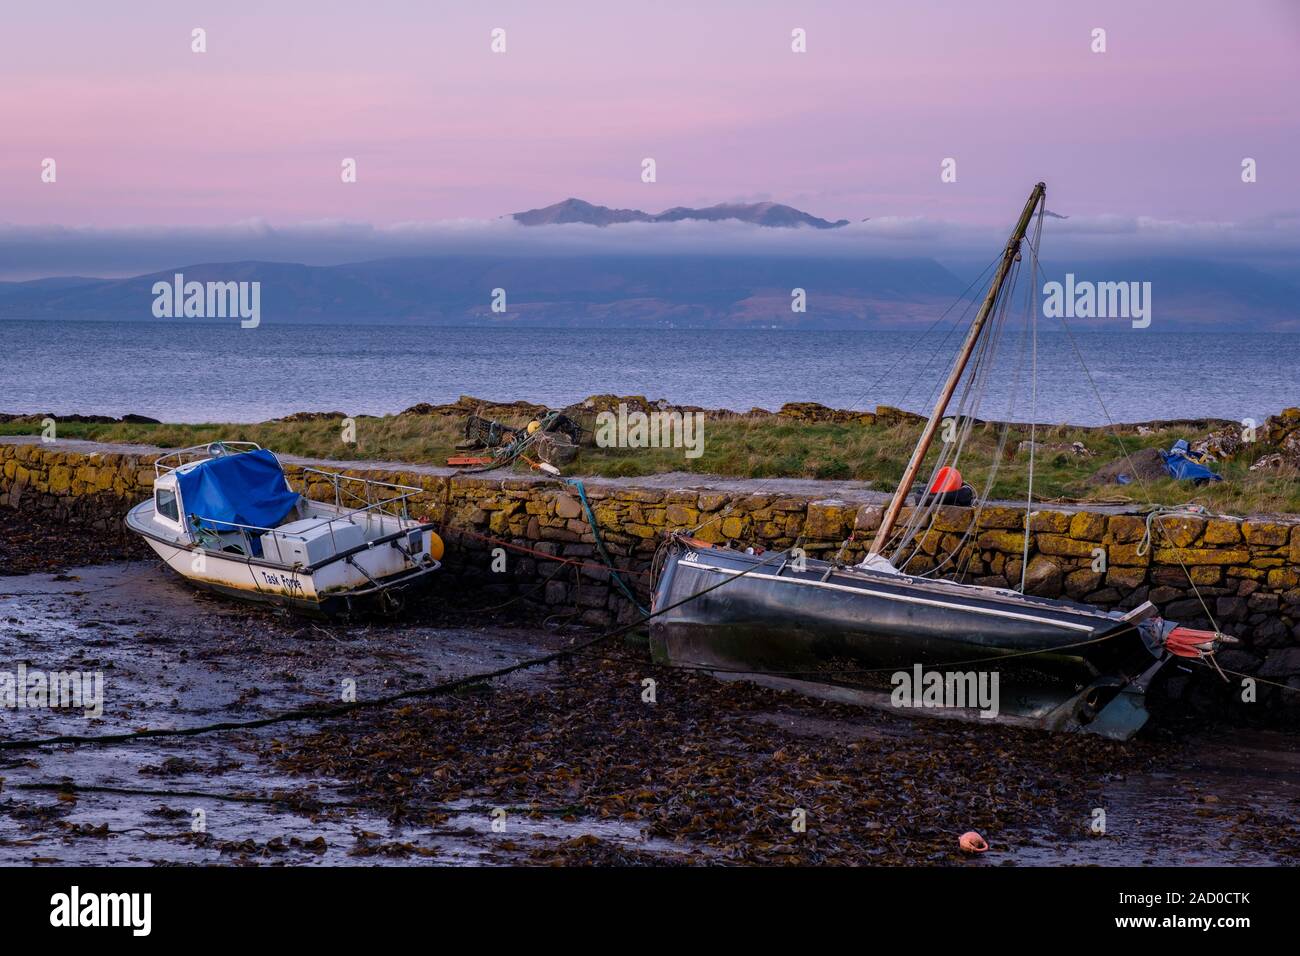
(569, 763)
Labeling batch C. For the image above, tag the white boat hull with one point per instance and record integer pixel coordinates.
(237, 574)
(378, 568)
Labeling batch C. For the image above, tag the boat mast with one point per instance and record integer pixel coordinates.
(968, 347)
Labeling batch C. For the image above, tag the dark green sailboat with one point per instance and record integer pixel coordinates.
(848, 633)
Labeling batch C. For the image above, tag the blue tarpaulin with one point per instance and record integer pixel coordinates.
(1184, 468)
(245, 488)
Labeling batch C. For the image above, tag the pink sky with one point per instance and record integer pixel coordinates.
(147, 133)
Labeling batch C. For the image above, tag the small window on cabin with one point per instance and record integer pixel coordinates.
(165, 504)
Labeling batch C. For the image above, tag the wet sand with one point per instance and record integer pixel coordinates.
(564, 764)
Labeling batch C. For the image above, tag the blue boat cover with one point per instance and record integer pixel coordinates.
(245, 488)
(1180, 466)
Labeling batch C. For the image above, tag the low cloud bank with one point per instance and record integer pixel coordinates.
(28, 252)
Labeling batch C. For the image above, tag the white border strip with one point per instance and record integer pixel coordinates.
(992, 612)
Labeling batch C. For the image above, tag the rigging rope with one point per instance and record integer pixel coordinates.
(1032, 312)
(1137, 476)
(723, 512)
(1182, 511)
(975, 385)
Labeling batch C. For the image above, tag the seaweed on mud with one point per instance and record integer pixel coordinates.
(588, 850)
(706, 768)
(710, 773)
(179, 766)
(36, 812)
(25, 545)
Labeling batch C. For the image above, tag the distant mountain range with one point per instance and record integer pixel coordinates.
(661, 290)
(760, 213)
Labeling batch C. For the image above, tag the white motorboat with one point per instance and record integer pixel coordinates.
(226, 518)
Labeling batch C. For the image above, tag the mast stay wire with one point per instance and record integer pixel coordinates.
(930, 511)
(998, 453)
(983, 370)
(723, 512)
(974, 388)
(1146, 493)
(1032, 319)
(950, 451)
(923, 373)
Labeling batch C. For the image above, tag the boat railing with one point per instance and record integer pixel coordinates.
(247, 532)
(370, 495)
(184, 456)
(366, 494)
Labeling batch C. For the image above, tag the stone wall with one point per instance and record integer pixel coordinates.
(1246, 572)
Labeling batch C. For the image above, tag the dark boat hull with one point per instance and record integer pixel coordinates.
(847, 630)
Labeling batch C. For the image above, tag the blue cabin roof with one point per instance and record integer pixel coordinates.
(246, 488)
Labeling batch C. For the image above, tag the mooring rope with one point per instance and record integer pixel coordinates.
(600, 544)
(339, 710)
(1181, 511)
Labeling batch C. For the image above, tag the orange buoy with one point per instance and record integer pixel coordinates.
(436, 547)
(972, 842)
(946, 479)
